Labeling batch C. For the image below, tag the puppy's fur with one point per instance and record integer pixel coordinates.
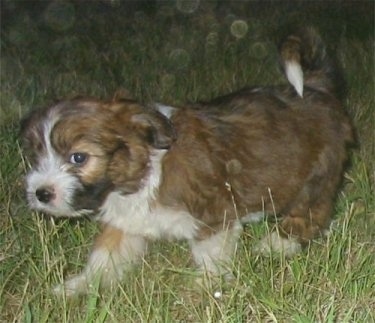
(196, 172)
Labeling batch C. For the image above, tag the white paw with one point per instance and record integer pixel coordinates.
(73, 287)
(274, 243)
(253, 217)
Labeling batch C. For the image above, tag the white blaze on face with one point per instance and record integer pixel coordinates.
(50, 173)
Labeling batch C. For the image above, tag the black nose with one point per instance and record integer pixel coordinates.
(45, 194)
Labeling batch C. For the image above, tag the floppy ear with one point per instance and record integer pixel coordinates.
(159, 129)
(129, 160)
(127, 166)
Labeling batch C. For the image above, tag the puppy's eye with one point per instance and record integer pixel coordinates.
(78, 158)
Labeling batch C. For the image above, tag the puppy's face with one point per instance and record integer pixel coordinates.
(81, 150)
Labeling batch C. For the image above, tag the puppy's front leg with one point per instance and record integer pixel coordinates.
(213, 254)
(112, 253)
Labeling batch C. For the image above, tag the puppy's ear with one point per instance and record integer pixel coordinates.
(159, 129)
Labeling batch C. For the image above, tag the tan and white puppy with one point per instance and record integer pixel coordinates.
(196, 172)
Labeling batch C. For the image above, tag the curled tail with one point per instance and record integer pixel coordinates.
(306, 63)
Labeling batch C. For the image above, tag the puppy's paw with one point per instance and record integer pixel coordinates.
(273, 243)
(75, 286)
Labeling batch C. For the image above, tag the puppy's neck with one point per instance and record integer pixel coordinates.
(119, 206)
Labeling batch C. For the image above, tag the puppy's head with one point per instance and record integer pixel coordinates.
(81, 150)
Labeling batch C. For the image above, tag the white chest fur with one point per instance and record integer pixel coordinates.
(141, 214)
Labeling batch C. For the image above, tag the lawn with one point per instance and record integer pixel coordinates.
(174, 52)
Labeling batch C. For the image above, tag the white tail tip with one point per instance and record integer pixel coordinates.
(294, 74)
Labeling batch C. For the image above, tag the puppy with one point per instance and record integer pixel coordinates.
(196, 172)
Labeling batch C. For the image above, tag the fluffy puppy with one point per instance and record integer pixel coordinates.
(196, 172)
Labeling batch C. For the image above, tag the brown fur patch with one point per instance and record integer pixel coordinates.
(239, 155)
(109, 239)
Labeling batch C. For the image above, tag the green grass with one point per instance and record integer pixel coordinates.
(161, 54)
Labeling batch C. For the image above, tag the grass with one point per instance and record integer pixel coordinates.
(160, 53)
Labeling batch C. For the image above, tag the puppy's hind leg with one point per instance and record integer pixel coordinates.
(309, 224)
(306, 218)
(112, 254)
(300, 225)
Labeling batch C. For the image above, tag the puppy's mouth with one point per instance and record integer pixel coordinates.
(91, 197)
